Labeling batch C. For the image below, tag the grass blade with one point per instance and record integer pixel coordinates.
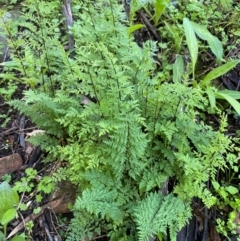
(233, 93)
(159, 6)
(191, 42)
(219, 71)
(178, 69)
(234, 103)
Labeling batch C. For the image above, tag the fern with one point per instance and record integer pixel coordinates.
(122, 128)
(155, 213)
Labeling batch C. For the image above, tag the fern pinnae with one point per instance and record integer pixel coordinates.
(15, 47)
(45, 48)
(114, 24)
(95, 31)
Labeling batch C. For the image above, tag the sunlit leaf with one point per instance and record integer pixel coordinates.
(8, 198)
(233, 93)
(159, 7)
(234, 103)
(216, 185)
(214, 43)
(8, 216)
(178, 69)
(211, 97)
(232, 190)
(17, 238)
(191, 41)
(134, 27)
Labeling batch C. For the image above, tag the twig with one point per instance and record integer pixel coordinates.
(150, 27)
(53, 204)
(67, 12)
(21, 133)
(13, 130)
(45, 225)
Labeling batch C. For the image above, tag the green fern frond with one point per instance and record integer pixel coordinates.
(156, 213)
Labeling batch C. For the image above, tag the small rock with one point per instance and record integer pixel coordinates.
(66, 192)
(9, 164)
(29, 148)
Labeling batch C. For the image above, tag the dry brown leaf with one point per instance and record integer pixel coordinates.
(35, 132)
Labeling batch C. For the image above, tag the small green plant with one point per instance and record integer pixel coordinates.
(29, 227)
(228, 196)
(28, 183)
(8, 210)
(8, 91)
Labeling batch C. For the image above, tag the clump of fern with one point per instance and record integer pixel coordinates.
(123, 129)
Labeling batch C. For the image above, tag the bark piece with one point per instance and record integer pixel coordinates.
(9, 164)
(66, 192)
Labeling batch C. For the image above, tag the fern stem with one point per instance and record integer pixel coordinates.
(146, 100)
(118, 85)
(156, 115)
(94, 87)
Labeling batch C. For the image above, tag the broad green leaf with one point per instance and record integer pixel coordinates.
(232, 215)
(223, 193)
(219, 71)
(234, 103)
(178, 69)
(232, 190)
(17, 238)
(175, 33)
(8, 198)
(233, 93)
(216, 185)
(134, 27)
(15, 197)
(8, 216)
(211, 97)
(214, 43)
(191, 42)
(159, 7)
(2, 236)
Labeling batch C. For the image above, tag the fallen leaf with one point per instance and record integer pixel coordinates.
(35, 132)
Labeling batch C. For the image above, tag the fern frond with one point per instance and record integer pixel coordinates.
(155, 213)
